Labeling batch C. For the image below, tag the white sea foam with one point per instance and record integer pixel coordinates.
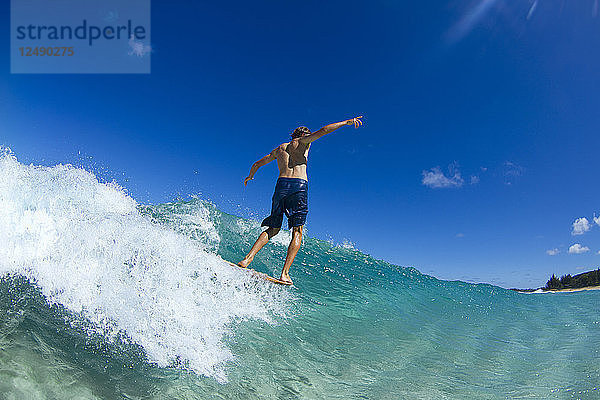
(347, 244)
(87, 247)
(194, 220)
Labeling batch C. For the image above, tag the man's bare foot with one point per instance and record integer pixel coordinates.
(286, 278)
(244, 263)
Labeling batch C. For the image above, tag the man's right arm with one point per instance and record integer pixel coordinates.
(260, 163)
(330, 128)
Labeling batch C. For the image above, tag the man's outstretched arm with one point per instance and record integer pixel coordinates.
(263, 161)
(330, 128)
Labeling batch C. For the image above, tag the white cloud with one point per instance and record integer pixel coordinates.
(597, 220)
(578, 249)
(474, 179)
(511, 172)
(436, 179)
(460, 235)
(580, 226)
(552, 252)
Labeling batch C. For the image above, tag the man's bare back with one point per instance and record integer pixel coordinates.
(292, 158)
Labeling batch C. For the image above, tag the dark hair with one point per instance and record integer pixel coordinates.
(300, 131)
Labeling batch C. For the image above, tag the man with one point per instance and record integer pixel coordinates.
(291, 191)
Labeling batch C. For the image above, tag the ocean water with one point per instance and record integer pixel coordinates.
(105, 298)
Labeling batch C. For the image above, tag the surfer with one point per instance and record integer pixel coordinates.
(291, 191)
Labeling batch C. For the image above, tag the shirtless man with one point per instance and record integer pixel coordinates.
(291, 191)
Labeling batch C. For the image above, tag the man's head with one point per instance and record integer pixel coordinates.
(300, 131)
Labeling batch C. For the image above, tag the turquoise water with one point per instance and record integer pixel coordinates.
(103, 298)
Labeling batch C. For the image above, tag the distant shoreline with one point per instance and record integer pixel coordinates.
(541, 290)
(585, 281)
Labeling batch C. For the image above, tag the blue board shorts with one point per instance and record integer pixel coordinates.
(291, 198)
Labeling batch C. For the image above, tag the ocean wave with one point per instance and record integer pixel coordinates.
(88, 247)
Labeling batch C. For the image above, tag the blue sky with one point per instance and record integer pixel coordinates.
(477, 154)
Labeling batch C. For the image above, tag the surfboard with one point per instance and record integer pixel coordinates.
(260, 274)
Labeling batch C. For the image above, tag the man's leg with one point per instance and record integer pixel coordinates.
(291, 253)
(263, 239)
